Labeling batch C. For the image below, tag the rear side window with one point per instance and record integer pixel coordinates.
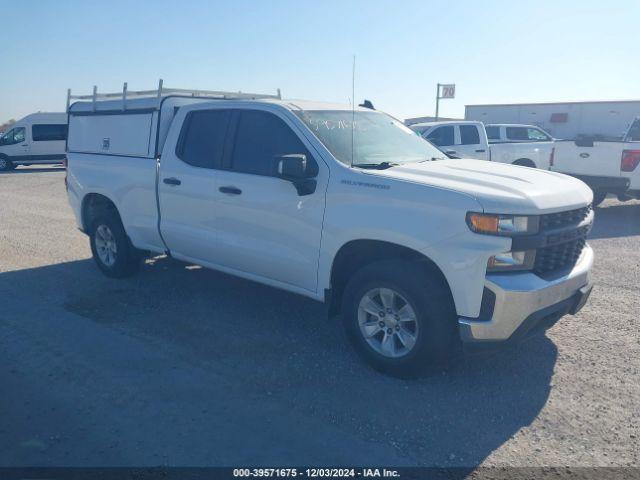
(517, 133)
(526, 134)
(469, 135)
(535, 135)
(49, 132)
(260, 138)
(493, 133)
(442, 136)
(202, 138)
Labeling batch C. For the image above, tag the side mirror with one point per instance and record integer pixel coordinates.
(584, 142)
(295, 168)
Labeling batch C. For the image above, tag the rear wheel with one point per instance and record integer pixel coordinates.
(6, 164)
(400, 318)
(111, 248)
(525, 162)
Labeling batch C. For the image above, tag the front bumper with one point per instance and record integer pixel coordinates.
(517, 303)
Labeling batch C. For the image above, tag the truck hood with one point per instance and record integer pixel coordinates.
(498, 187)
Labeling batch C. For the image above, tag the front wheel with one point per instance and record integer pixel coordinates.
(6, 164)
(111, 248)
(598, 197)
(399, 317)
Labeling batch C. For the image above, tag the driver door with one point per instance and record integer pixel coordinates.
(264, 227)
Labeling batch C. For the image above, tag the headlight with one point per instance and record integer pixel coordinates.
(507, 225)
(510, 261)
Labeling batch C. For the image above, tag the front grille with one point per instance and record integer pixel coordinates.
(558, 257)
(552, 221)
(566, 244)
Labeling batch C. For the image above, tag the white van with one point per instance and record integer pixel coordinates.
(39, 138)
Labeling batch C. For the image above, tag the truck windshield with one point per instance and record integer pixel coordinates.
(378, 139)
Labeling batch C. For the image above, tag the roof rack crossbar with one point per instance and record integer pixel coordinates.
(161, 92)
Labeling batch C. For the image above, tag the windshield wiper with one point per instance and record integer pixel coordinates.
(376, 166)
(432, 159)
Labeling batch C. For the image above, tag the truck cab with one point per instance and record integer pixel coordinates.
(416, 252)
(461, 139)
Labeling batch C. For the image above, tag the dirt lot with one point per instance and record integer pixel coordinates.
(185, 366)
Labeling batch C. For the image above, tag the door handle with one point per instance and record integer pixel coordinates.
(172, 181)
(25, 144)
(480, 151)
(450, 152)
(230, 190)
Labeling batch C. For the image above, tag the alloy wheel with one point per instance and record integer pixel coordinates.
(106, 245)
(387, 322)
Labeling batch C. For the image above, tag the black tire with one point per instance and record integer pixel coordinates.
(598, 197)
(127, 258)
(429, 297)
(6, 164)
(525, 162)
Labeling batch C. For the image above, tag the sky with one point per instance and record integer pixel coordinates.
(494, 51)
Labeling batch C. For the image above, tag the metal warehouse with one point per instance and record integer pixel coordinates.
(567, 120)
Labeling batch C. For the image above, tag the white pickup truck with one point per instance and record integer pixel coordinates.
(606, 166)
(468, 139)
(418, 252)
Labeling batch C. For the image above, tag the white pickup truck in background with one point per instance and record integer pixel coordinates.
(468, 139)
(417, 252)
(608, 167)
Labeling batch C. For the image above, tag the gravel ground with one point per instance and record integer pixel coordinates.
(185, 366)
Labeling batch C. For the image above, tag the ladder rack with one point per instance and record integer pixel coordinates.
(161, 92)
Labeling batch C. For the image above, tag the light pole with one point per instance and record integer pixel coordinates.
(437, 101)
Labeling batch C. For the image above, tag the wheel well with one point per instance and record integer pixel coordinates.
(525, 162)
(356, 254)
(95, 205)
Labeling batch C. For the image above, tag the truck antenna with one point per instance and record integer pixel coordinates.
(353, 104)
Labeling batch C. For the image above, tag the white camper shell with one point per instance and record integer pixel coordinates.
(126, 124)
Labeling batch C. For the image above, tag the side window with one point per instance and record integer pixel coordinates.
(493, 133)
(536, 135)
(260, 138)
(7, 138)
(13, 136)
(517, 133)
(202, 138)
(442, 136)
(469, 135)
(49, 133)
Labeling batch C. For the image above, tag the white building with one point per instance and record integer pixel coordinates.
(568, 120)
